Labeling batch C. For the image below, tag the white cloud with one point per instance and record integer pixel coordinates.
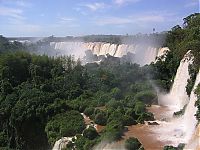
(20, 26)
(122, 2)
(23, 3)
(95, 6)
(192, 3)
(135, 19)
(79, 10)
(151, 18)
(16, 21)
(66, 22)
(17, 3)
(66, 19)
(113, 21)
(11, 12)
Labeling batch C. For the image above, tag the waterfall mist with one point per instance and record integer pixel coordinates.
(178, 129)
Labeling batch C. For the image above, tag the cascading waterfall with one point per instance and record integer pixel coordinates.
(143, 54)
(162, 51)
(179, 130)
(178, 91)
(69, 48)
(61, 143)
(189, 119)
(178, 98)
(174, 130)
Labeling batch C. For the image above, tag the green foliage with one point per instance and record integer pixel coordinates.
(163, 72)
(133, 144)
(147, 97)
(128, 120)
(181, 112)
(89, 111)
(100, 118)
(180, 147)
(145, 116)
(64, 125)
(113, 131)
(90, 133)
(169, 148)
(6, 46)
(192, 72)
(80, 142)
(41, 99)
(139, 107)
(180, 40)
(3, 139)
(116, 93)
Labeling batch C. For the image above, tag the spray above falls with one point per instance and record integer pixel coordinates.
(143, 54)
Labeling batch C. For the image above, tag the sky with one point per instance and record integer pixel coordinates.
(42, 18)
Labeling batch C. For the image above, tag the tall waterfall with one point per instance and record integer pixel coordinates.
(179, 130)
(143, 54)
(189, 119)
(178, 97)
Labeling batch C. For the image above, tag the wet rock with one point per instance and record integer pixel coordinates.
(153, 123)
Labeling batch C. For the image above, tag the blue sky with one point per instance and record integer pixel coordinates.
(84, 17)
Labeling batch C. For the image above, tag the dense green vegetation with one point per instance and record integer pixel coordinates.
(179, 40)
(41, 99)
(6, 46)
(133, 144)
(65, 125)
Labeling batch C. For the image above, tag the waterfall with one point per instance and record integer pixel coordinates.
(189, 119)
(97, 48)
(61, 143)
(178, 98)
(143, 54)
(162, 51)
(113, 49)
(179, 130)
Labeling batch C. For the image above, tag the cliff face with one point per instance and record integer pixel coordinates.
(144, 54)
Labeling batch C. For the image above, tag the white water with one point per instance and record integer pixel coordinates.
(178, 98)
(179, 130)
(176, 130)
(189, 119)
(143, 54)
(69, 48)
(161, 53)
(61, 143)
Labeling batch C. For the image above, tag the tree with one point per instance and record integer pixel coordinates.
(100, 118)
(89, 111)
(147, 97)
(64, 125)
(116, 93)
(90, 133)
(133, 144)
